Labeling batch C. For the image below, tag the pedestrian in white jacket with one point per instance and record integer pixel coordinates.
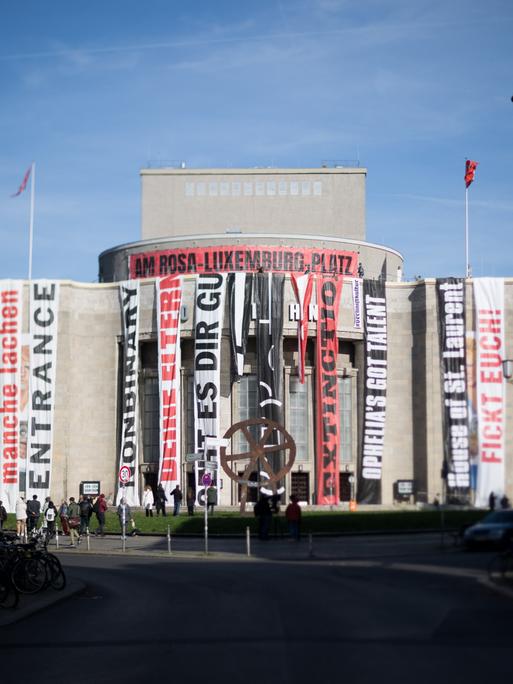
(148, 501)
(21, 516)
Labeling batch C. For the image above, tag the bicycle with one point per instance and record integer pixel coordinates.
(500, 568)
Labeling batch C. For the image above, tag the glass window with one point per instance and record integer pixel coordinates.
(346, 423)
(248, 407)
(298, 416)
(151, 420)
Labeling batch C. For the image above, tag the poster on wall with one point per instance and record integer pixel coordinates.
(240, 289)
(43, 326)
(128, 453)
(227, 259)
(302, 286)
(329, 290)
(375, 392)
(169, 298)
(269, 333)
(357, 287)
(208, 329)
(451, 316)
(490, 325)
(11, 363)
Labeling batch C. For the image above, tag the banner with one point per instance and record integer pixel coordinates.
(451, 314)
(490, 326)
(240, 288)
(329, 291)
(375, 392)
(227, 258)
(128, 454)
(208, 329)
(43, 326)
(169, 297)
(11, 308)
(269, 332)
(357, 303)
(303, 290)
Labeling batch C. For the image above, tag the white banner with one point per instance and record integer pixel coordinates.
(11, 306)
(490, 325)
(169, 297)
(43, 325)
(128, 455)
(357, 286)
(210, 294)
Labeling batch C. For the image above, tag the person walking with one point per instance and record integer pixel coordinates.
(100, 510)
(177, 498)
(21, 516)
(160, 501)
(3, 515)
(33, 512)
(73, 522)
(64, 516)
(211, 498)
(148, 501)
(50, 516)
(293, 516)
(190, 500)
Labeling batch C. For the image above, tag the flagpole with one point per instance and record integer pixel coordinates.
(467, 264)
(31, 222)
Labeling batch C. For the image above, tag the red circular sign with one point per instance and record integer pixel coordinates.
(124, 474)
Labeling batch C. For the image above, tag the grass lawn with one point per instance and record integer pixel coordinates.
(315, 522)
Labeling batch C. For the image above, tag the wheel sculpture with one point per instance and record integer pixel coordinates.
(257, 458)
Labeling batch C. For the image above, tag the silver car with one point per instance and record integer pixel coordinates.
(495, 529)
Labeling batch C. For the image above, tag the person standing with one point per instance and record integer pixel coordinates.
(160, 502)
(64, 516)
(101, 509)
(264, 515)
(124, 515)
(211, 498)
(85, 513)
(293, 516)
(148, 501)
(3, 515)
(50, 516)
(491, 501)
(177, 498)
(33, 512)
(190, 501)
(74, 522)
(21, 516)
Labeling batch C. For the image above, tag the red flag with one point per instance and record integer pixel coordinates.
(470, 170)
(23, 182)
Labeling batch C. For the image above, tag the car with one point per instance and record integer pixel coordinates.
(495, 529)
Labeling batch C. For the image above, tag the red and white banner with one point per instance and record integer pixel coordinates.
(228, 258)
(208, 329)
(490, 325)
(43, 326)
(11, 306)
(128, 453)
(303, 290)
(169, 298)
(329, 290)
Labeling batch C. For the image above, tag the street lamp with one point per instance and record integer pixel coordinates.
(507, 368)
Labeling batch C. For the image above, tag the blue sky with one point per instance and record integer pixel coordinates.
(93, 91)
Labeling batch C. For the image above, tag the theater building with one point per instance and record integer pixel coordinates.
(253, 293)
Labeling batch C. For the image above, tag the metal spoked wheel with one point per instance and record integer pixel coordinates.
(29, 575)
(56, 576)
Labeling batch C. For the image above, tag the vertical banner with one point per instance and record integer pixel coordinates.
(128, 454)
(490, 324)
(451, 314)
(240, 286)
(43, 325)
(473, 436)
(375, 392)
(303, 290)
(329, 290)
(209, 312)
(169, 298)
(269, 332)
(356, 284)
(11, 306)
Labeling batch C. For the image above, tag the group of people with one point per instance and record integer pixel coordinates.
(492, 502)
(266, 506)
(74, 516)
(159, 500)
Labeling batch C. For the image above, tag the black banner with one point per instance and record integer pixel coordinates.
(375, 392)
(269, 332)
(240, 287)
(451, 313)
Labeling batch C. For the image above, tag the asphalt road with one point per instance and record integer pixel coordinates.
(381, 612)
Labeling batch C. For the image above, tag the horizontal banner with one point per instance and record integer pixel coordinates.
(243, 258)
